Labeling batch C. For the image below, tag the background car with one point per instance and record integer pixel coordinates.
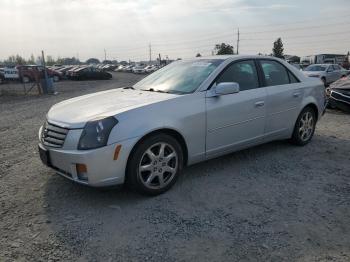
(151, 68)
(90, 73)
(63, 70)
(2, 77)
(27, 73)
(328, 73)
(119, 68)
(139, 69)
(128, 68)
(339, 94)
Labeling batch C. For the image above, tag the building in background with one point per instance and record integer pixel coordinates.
(323, 59)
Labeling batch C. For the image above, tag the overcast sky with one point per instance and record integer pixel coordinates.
(177, 28)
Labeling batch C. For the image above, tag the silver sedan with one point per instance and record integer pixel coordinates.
(328, 73)
(185, 113)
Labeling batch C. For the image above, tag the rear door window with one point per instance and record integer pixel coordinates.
(275, 74)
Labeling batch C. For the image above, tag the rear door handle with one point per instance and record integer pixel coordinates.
(260, 103)
(296, 94)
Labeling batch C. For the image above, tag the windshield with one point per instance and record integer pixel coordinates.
(181, 77)
(316, 68)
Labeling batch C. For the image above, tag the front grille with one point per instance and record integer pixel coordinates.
(53, 135)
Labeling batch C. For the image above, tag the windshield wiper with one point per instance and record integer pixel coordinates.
(155, 90)
(129, 87)
(162, 91)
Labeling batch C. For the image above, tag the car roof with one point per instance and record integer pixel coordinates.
(322, 64)
(234, 57)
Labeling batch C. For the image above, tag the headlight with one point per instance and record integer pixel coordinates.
(96, 133)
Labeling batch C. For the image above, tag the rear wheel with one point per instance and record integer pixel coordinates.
(155, 165)
(304, 127)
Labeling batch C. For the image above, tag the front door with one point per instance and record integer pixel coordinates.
(236, 120)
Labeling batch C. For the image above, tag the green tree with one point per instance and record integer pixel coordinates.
(20, 60)
(278, 49)
(31, 60)
(50, 61)
(223, 49)
(15, 60)
(92, 61)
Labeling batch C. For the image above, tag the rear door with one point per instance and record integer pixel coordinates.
(338, 72)
(284, 96)
(331, 74)
(235, 120)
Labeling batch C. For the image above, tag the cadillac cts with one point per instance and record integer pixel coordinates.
(185, 113)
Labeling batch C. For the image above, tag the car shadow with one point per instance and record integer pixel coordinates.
(238, 194)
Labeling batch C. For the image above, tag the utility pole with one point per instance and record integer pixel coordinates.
(237, 42)
(150, 52)
(105, 54)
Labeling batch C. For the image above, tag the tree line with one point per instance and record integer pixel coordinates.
(226, 49)
(219, 49)
(50, 61)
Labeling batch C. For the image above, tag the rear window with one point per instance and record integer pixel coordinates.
(315, 68)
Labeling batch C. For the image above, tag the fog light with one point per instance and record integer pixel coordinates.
(82, 172)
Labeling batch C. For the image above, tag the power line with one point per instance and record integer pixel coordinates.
(295, 29)
(299, 36)
(325, 17)
(222, 35)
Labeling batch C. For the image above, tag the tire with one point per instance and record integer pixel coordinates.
(25, 79)
(150, 172)
(56, 78)
(1, 80)
(304, 128)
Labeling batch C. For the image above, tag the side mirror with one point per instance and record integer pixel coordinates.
(226, 88)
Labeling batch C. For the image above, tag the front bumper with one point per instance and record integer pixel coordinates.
(102, 169)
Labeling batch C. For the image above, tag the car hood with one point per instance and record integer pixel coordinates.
(343, 83)
(75, 112)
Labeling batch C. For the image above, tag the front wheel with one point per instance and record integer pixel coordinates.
(155, 165)
(304, 127)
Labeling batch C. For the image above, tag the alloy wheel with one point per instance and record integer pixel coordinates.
(306, 126)
(158, 166)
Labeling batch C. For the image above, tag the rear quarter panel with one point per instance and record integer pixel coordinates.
(314, 93)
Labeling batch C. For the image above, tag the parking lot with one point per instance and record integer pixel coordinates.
(274, 202)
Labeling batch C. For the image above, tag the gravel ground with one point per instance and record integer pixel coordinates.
(274, 202)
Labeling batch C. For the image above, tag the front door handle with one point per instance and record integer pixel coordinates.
(296, 94)
(260, 103)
